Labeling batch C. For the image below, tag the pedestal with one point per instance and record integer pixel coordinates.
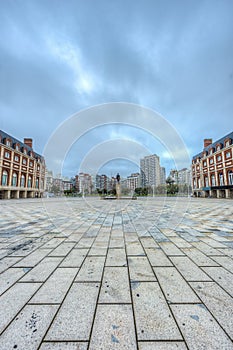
(118, 190)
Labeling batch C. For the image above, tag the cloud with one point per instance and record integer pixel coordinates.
(58, 58)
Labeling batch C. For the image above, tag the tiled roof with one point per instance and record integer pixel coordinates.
(4, 135)
(213, 145)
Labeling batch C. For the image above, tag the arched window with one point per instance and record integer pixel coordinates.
(22, 181)
(29, 181)
(213, 180)
(37, 183)
(221, 180)
(14, 180)
(4, 178)
(230, 177)
(206, 182)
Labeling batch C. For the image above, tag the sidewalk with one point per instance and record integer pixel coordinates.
(95, 274)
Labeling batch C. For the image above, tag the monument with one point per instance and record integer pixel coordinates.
(118, 186)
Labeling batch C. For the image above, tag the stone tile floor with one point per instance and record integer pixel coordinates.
(92, 274)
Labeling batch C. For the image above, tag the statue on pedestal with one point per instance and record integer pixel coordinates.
(118, 186)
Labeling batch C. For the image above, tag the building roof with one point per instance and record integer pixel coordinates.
(214, 144)
(4, 135)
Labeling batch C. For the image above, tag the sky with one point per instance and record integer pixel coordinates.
(59, 58)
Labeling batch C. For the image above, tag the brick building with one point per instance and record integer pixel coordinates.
(212, 169)
(22, 171)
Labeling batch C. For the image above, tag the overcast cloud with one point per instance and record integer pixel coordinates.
(59, 57)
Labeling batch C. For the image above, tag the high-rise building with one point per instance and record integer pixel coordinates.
(181, 177)
(212, 169)
(162, 175)
(83, 183)
(133, 181)
(22, 171)
(150, 171)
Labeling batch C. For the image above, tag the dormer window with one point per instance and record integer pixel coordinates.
(211, 151)
(8, 143)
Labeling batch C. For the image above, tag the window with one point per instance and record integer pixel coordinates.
(199, 183)
(211, 161)
(228, 155)
(24, 161)
(230, 177)
(213, 180)
(218, 148)
(206, 182)
(22, 181)
(38, 168)
(37, 183)
(7, 155)
(8, 143)
(211, 151)
(221, 181)
(219, 158)
(4, 178)
(25, 151)
(194, 184)
(31, 164)
(204, 164)
(16, 158)
(29, 181)
(17, 147)
(227, 143)
(14, 179)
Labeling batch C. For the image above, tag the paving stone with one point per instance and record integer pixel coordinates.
(28, 328)
(199, 328)
(227, 251)
(9, 277)
(223, 277)
(219, 303)
(154, 320)
(116, 257)
(85, 243)
(174, 286)
(206, 249)
(115, 286)
(13, 301)
(113, 328)
(162, 346)
(148, 242)
(98, 251)
(56, 286)
(116, 243)
(75, 258)
(41, 272)
(188, 269)
(180, 242)
(63, 249)
(157, 257)
(79, 304)
(33, 258)
(140, 269)
(91, 270)
(198, 257)
(224, 261)
(63, 346)
(170, 249)
(212, 242)
(8, 262)
(53, 243)
(134, 248)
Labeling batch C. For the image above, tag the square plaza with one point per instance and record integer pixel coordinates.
(96, 274)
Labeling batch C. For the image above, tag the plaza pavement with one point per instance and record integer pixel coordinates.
(94, 274)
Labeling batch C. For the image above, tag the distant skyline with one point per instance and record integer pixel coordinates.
(58, 58)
